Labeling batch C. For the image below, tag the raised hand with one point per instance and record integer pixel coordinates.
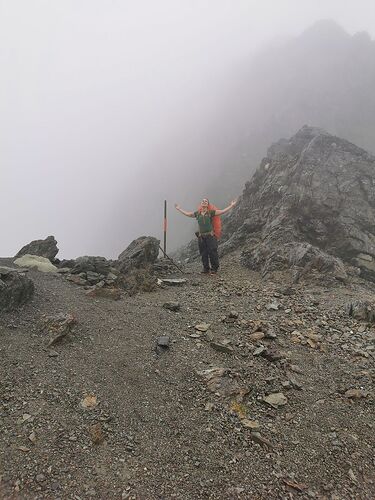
(176, 206)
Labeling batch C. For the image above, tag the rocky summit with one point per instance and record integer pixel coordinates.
(309, 206)
(142, 379)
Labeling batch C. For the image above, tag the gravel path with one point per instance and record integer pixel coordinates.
(156, 430)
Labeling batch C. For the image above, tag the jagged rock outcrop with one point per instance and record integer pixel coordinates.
(133, 271)
(15, 288)
(310, 205)
(141, 253)
(43, 248)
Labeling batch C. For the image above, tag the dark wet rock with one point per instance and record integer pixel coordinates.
(15, 289)
(310, 206)
(43, 248)
(141, 253)
(91, 264)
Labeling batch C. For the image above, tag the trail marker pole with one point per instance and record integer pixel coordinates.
(164, 250)
(165, 227)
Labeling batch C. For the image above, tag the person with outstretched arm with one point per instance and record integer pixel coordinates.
(206, 238)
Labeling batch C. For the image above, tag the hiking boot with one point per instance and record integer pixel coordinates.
(205, 271)
(213, 271)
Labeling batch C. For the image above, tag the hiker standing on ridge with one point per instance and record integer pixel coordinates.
(207, 237)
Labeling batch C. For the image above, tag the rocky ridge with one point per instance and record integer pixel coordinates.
(309, 206)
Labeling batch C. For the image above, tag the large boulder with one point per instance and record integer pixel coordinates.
(35, 262)
(141, 253)
(43, 248)
(15, 289)
(310, 204)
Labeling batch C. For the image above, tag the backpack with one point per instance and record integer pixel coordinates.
(216, 221)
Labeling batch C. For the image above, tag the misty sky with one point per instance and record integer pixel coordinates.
(98, 98)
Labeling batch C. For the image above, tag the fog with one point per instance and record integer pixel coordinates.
(109, 107)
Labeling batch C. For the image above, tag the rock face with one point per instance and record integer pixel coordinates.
(15, 289)
(141, 253)
(310, 205)
(43, 248)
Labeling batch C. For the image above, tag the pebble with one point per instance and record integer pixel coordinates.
(172, 306)
(32, 437)
(276, 399)
(222, 347)
(202, 327)
(163, 341)
(272, 306)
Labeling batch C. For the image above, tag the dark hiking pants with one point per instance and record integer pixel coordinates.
(208, 250)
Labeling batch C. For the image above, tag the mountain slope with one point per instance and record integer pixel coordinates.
(324, 77)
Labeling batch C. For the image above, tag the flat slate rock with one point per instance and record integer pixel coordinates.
(174, 281)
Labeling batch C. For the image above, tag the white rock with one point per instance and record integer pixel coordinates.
(34, 261)
(276, 399)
